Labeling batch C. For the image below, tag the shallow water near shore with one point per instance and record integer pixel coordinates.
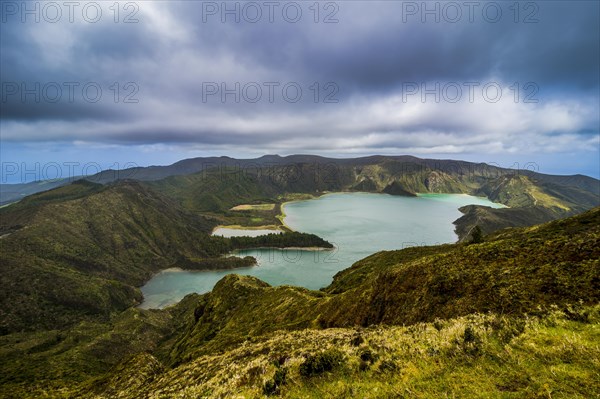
(358, 224)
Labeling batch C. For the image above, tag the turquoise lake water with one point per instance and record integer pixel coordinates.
(358, 224)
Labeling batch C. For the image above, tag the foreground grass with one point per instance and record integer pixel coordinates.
(477, 356)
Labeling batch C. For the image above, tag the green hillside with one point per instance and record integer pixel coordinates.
(514, 316)
(80, 251)
(478, 356)
(514, 272)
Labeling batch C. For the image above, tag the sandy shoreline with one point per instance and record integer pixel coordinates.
(287, 248)
(272, 227)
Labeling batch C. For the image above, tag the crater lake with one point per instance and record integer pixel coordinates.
(357, 224)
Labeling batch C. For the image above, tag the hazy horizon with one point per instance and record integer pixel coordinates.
(16, 173)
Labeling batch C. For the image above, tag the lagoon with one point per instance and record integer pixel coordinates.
(358, 224)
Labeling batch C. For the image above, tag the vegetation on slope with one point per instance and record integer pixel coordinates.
(514, 315)
(476, 356)
(283, 240)
(515, 272)
(81, 258)
(491, 219)
(58, 360)
(80, 251)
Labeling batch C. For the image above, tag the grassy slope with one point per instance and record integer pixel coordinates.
(80, 251)
(225, 342)
(58, 360)
(82, 255)
(477, 356)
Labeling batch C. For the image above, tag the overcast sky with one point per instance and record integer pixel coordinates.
(152, 82)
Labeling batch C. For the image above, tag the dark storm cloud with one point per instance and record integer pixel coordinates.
(389, 51)
(369, 55)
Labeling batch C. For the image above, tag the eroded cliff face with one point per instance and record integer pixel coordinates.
(439, 182)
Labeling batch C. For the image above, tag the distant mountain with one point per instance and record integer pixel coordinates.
(538, 197)
(392, 167)
(403, 164)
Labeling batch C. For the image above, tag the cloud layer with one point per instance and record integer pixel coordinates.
(386, 77)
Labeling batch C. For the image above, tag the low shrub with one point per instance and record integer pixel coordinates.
(273, 386)
(321, 362)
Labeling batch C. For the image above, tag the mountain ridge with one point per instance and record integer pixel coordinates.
(199, 164)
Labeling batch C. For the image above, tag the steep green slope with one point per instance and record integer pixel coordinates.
(530, 203)
(217, 191)
(522, 191)
(490, 219)
(56, 361)
(80, 251)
